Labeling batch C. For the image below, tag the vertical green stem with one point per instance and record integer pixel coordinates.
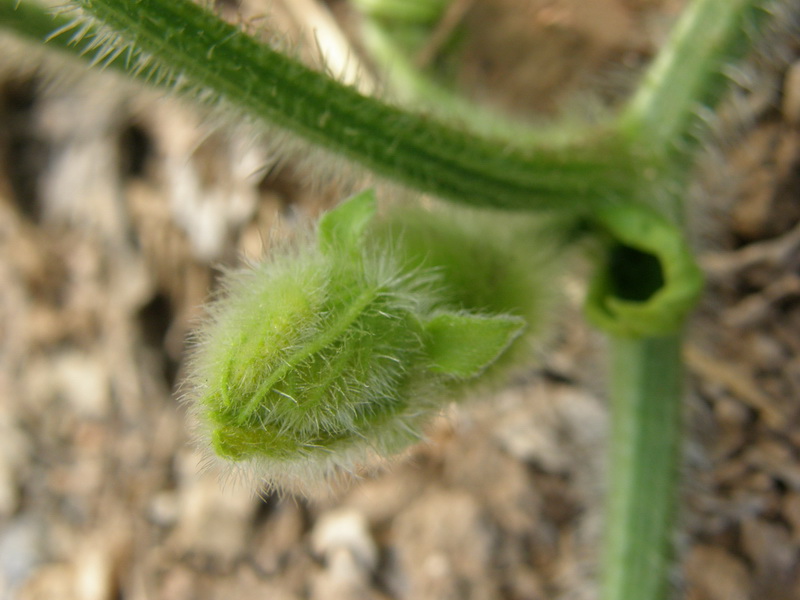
(645, 441)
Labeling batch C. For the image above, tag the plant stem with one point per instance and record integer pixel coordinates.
(33, 21)
(414, 149)
(414, 87)
(687, 75)
(646, 386)
(28, 19)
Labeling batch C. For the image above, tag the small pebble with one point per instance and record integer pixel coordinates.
(345, 530)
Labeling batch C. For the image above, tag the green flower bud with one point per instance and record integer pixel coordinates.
(343, 346)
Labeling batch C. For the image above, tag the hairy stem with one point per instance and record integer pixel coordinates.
(28, 19)
(687, 73)
(414, 87)
(33, 21)
(646, 382)
(413, 149)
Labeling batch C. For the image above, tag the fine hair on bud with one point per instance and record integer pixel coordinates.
(340, 347)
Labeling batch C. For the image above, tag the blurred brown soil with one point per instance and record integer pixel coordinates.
(119, 207)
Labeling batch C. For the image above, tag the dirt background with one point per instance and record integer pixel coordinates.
(117, 209)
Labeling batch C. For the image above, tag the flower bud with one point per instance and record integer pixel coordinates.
(340, 348)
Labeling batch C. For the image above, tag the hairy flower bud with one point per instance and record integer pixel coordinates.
(344, 346)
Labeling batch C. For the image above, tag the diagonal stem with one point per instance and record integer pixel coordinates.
(687, 75)
(416, 150)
